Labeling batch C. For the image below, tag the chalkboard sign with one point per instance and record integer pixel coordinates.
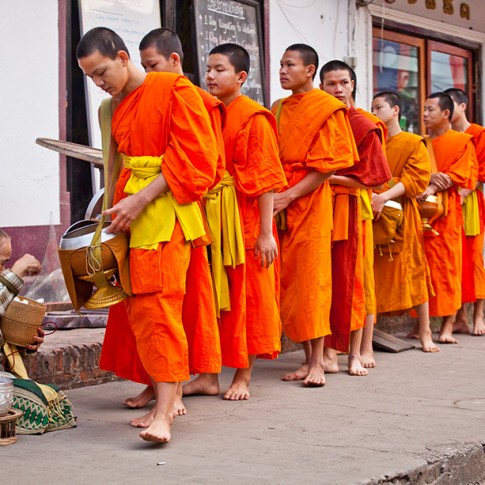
(218, 22)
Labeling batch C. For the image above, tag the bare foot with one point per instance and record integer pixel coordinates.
(367, 360)
(315, 377)
(355, 367)
(478, 327)
(178, 406)
(298, 375)
(159, 430)
(427, 344)
(414, 333)
(461, 326)
(140, 401)
(330, 365)
(144, 421)
(447, 338)
(238, 391)
(204, 384)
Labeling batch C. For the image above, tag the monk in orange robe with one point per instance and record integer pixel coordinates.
(457, 168)
(474, 244)
(169, 152)
(161, 51)
(251, 327)
(401, 270)
(352, 255)
(315, 141)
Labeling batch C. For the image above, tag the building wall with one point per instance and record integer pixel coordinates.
(337, 29)
(334, 28)
(29, 181)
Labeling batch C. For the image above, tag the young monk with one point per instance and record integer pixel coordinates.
(353, 246)
(457, 169)
(161, 51)
(315, 140)
(401, 271)
(166, 170)
(473, 245)
(252, 327)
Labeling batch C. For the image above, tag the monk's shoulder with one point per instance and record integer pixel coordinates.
(413, 139)
(210, 102)
(359, 119)
(456, 137)
(477, 131)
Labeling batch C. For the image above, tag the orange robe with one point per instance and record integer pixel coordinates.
(401, 271)
(350, 254)
(253, 325)
(165, 115)
(379, 123)
(455, 156)
(478, 133)
(314, 134)
(119, 354)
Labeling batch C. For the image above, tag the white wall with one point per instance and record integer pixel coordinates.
(334, 28)
(29, 177)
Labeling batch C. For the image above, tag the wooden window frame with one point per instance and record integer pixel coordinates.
(436, 46)
(378, 33)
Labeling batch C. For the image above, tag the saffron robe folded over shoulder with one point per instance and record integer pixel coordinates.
(119, 353)
(165, 116)
(253, 325)
(455, 156)
(314, 134)
(402, 273)
(352, 262)
(478, 133)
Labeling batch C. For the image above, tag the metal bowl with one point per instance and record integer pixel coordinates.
(80, 235)
(6, 395)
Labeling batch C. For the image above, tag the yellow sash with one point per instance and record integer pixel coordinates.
(157, 221)
(227, 248)
(367, 214)
(471, 215)
(17, 368)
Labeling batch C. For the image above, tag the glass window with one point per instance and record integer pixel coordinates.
(448, 71)
(396, 68)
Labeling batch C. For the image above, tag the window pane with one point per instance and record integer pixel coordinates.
(448, 71)
(396, 68)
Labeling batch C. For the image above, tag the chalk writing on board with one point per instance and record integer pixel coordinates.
(219, 22)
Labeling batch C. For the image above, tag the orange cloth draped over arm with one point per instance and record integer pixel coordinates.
(478, 133)
(455, 156)
(165, 116)
(199, 318)
(403, 281)
(314, 134)
(252, 159)
(353, 295)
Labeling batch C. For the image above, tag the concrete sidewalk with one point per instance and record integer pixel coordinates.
(417, 418)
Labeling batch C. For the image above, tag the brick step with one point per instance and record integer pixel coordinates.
(69, 359)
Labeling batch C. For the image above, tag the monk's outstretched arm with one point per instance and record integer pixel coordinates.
(349, 182)
(265, 247)
(378, 200)
(129, 208)
(303, 187)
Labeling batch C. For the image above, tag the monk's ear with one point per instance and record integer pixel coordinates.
(320, 86)
(311, 70)
(123, 55)
(242, 77)
(175, 59)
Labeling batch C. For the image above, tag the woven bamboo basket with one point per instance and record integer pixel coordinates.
(20, 322)
(7, 427)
